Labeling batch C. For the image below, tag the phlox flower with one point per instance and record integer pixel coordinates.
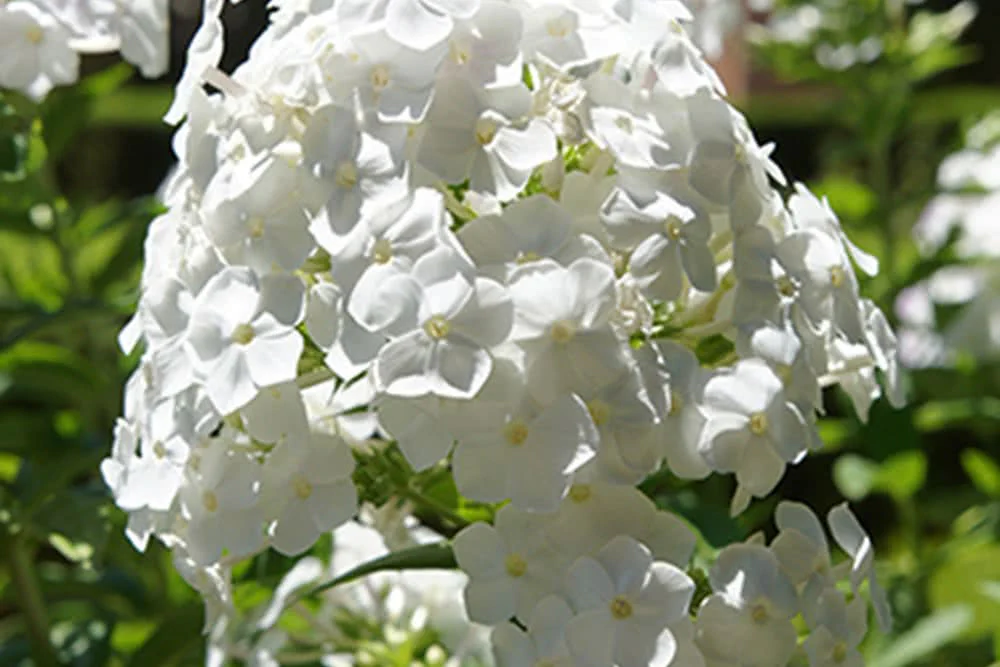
(441, 320)
(624, 603)
(242, 334)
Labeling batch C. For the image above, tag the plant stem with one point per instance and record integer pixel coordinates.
(29, 596)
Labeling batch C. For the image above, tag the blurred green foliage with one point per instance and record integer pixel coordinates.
(926, 479)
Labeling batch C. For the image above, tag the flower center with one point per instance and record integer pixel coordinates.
(256, 227)
(486, 130)
(303, 489)
(34, 35)
(527, 257)
(562, 331)
(786, 287)
(759, 614)
(243, 334)
(210, 501)
(437, 327)
(579, 493)
(557, 28)
(837, 276)
(515, 565)
(379, 77)
(625, 124)
(346, 176)
(459, 53)
(382, 251)
(599, 411)
(159, 451)
(515, 432)
(672, 227)
(676, 402)
(839, 652)
(621, 608)
(758, 423)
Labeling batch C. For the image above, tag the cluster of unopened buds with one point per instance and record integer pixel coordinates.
(529, 243)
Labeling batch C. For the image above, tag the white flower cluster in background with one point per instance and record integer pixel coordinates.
(412, 617)
(44, 39)
(530, 244)
(963, 221)
(829, 29)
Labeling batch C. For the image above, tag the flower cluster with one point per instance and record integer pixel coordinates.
(527, 242)
(411, 617)
(961, 220)
(43, 39)
(627, 603)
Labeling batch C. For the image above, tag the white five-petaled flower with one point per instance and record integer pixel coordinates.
(308, 488)
(562, 321)
(484, 135)
(442, 321)
(750, 428)
(37, 53)
(668, 241)
(624, 603)
(542, 644)
(242, 334)
(747, 620)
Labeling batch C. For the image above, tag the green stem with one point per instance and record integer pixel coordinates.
(432, 505)
(29, 595)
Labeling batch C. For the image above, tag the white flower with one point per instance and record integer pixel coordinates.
(853, 539)
(747, 620)
(624, 603)
(393, 80)
(561, 320)
(481, 134)
(242, 334)
(485, 47)
(543, 643)
(525, 231)
(750, 427)
(510, 566)
(633, 138)
(359, 159)
(441, 321)
(801, 545)
(148, 481)
(220, 503)
(311, 483)
(625, 420)
(682, 421)
(260, 219)
(838, 628)
(595, 512)
(528, 454)
(37, 54)
(420, 24)
(668, 241)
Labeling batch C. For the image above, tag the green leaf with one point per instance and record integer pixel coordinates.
(939, 415)
(855, 476)
(902, 475)
(437, 556)
(960, 581)
(178, 633)
(849, 198)
(713, 349)
(67, 111)
(927, 636)
(983, 471)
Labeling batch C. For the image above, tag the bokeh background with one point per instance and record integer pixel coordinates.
(868, 127)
